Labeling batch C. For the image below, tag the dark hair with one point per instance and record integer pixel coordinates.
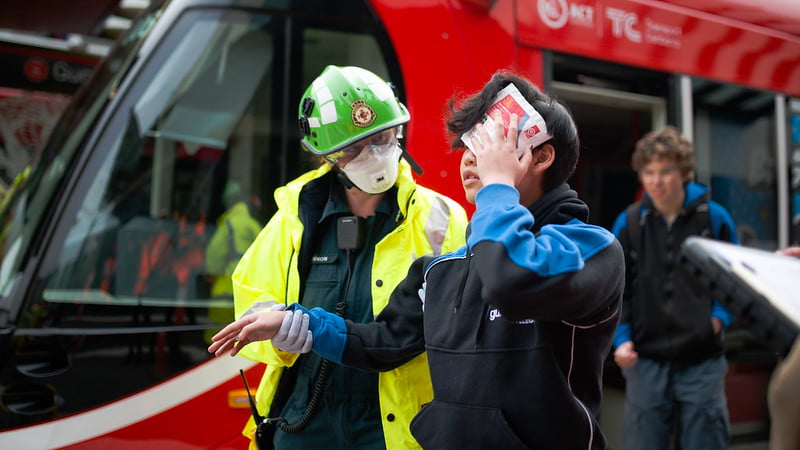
(466, 113)
(667, 143)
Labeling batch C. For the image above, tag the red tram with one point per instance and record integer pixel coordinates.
(98, 349)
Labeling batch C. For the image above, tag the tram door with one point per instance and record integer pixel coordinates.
(613, 107)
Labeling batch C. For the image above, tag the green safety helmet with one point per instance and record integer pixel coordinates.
(344, 105)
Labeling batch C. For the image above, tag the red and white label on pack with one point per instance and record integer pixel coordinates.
(532, 128)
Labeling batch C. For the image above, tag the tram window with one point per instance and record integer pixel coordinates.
(734, 139)
(323, 47)
(132, 294)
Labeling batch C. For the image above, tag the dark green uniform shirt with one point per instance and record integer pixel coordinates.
(348, 416)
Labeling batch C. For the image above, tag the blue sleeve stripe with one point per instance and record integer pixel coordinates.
(721, 313)
(623, 334)
(557, 249)
(328, 331)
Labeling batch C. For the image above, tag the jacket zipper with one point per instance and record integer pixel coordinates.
(463, 283)
(479, 332)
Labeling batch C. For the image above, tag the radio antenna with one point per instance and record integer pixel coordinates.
(253, 410)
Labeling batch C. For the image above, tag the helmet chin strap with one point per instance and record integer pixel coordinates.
(414, 165)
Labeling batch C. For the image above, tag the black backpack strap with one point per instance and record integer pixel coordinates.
(703, 221)
(631, 241)
(634, 217)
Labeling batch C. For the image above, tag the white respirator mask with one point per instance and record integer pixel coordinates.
(375, 169)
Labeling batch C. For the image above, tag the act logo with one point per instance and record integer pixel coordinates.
(554, 13)
(558, 13)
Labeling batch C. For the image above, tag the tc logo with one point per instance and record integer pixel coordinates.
(622, 24)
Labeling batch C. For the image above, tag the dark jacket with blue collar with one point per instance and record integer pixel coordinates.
(517, 325)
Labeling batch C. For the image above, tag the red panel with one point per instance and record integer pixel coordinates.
(205, 422)
(746, 390)
(530, 64)
(664, 37)
(782, 15)
(444, 48)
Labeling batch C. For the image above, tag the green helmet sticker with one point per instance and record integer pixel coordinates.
(344, 105)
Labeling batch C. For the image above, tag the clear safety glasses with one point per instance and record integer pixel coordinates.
(377, 141)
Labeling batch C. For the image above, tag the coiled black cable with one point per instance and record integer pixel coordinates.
(322, 375)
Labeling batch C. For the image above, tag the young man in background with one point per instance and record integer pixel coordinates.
(669, 342)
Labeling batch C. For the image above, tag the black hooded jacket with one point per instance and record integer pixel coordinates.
(517, 326)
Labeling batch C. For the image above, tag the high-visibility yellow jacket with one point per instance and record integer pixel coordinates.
(236, 230)
(431, 224)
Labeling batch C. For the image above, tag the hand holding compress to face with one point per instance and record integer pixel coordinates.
(496, 153)
(253, 327)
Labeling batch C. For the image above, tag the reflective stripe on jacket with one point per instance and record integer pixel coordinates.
(431, 224)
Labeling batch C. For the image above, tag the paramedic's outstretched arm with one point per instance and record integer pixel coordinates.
(294, 335)
(394, 338)
(254, 327)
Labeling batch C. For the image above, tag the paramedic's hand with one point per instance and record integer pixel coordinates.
(253, 327)
(790, 251)
(497, 160)
(294, 335)
(625, 356)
